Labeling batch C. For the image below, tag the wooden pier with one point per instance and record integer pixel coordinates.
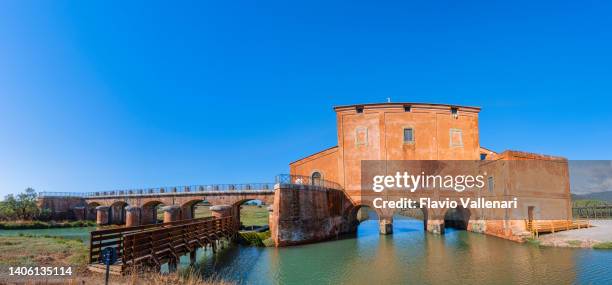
(148, 247)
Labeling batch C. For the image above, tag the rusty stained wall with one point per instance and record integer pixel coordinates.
(61, 207)
(538, 181)
(377, 134)
(297, 216)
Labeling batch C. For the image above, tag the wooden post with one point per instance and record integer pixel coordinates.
(172, 265)
(192, 257)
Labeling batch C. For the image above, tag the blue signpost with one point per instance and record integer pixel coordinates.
(109, 256)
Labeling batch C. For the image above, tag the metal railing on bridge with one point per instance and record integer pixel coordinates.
(298, 181)
(287, 180)
(255, 187)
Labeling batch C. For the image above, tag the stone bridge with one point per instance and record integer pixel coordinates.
(140, 206)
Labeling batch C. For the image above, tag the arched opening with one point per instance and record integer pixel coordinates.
(419, 214)
(363, 221)
(195, 209)
(253, 215)
(151, 213)
(201, 209)
(316, 178)
(116, 214)
(457, 218)
(91, 211)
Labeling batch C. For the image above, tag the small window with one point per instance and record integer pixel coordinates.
(361, 136)
(359, 109)
(456, 138)
(316, 178)
(408, 135)
(490, 184)
(407, 108)
(454, 112)
(483, 156)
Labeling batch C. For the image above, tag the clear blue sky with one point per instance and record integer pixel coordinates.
(97, 95)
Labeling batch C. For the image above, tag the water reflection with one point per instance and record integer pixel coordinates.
(410, 256)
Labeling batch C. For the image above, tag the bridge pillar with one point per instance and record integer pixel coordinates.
(221, 211)
(187, 212)
(385, 226)
(80, 213)
(148, 215)
(171, 213)
(102, 215)
(132, 216)
(435, 226)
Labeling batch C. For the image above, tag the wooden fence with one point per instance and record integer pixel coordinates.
(593, 212)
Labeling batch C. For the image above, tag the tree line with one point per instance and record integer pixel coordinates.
(22, 207)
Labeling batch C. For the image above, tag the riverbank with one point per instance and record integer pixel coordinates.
(599, 236)
(25, 251)
(28, 225)
(42, 251)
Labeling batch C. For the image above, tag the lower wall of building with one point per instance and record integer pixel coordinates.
(307, 215)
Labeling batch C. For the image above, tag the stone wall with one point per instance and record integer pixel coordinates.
(63, 208)
(303, 214)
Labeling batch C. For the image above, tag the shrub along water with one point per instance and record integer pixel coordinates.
(18, 225)
(255, 238)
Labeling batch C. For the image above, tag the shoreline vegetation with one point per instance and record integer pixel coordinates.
(33, 224)
(39, 251)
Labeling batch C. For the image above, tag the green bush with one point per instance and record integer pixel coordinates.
(44, 225)
(603, 245)
(254, 238)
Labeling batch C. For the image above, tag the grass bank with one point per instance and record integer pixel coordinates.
(603, 245)
(255, 238)
(27, 225)
(55, 251)
(42, 251)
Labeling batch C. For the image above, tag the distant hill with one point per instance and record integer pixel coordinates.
(604, 196)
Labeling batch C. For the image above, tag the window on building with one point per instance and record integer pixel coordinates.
(361, 136)
(359, 109)
(315, 178)
(454, 112)
(407, 108)
(456, 138)
(483, 156)
(408, 135)
(490, 184)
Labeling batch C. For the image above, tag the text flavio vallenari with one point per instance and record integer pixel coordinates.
(412, 183)
(473, 203)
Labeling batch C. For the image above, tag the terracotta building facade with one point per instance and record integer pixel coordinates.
(418, 131)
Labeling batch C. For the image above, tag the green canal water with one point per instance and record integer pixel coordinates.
(409, 256)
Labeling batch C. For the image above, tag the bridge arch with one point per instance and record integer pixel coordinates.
(458, 218)
(91, 210)
(237, 207)
(188, 208)
(149, 212)
(116, 214)
(421, 213)
(352, 215)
